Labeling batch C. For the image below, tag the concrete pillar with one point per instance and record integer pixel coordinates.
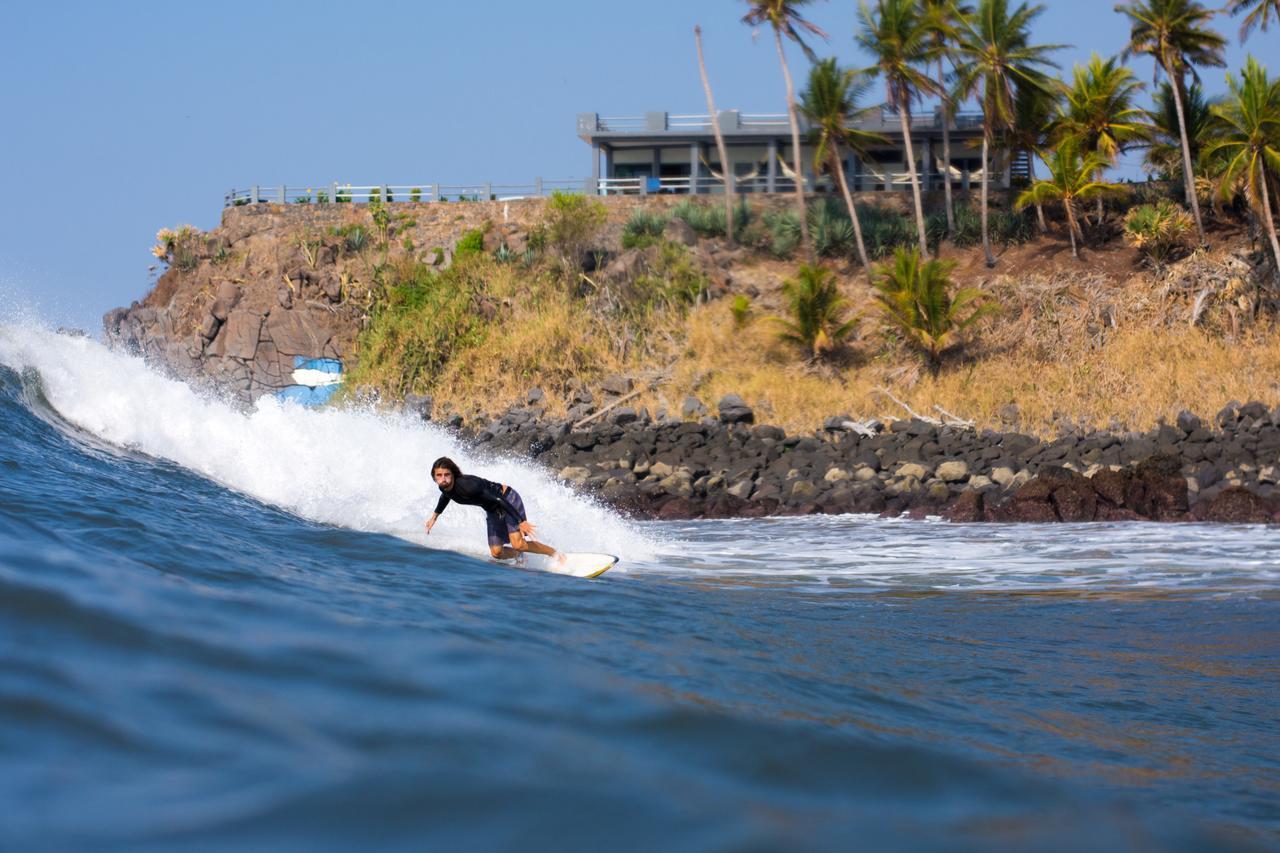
(333, 192)
(771, 176)
(695, 167)
(434, 191)
(282, 196)
(254, 198)
(537, 182)
(595, 170)
(964, 180)
(488, 192)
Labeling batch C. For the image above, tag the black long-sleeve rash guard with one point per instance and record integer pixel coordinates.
(477, 491)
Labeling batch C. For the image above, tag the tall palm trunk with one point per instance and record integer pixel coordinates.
(725, 165)
(946, 157)
(795, 148)
(904, 114)
(1097, 177)
(853, 213)
(1188, 176)
(986, 234)
(1269, 218)
(1071, 227)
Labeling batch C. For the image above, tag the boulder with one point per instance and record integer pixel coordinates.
(623, 416)
(419, 405)
(912, 470)
(692, 408)
(966, 508)
(575, 474)
(679, 231)
(953, 471)
(734, 410)
(1188, 422)
(616, 385)
(239, 337)
(768, 431)
(225, 301)
(1233, 505)
(294, 332)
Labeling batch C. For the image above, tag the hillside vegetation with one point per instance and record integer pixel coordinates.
(1113, 339)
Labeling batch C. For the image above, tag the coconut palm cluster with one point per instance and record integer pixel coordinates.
(1216, 150)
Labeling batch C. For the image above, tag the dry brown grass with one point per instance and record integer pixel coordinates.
(1102, 344)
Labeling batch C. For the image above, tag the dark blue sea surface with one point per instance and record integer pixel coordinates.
(209, 643)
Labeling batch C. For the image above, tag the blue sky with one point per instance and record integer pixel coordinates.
(122, 118)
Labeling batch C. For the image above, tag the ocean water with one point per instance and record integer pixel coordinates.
(227, 630)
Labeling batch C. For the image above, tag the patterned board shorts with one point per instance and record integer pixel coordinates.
(499, 525)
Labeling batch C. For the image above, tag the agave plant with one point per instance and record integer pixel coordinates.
(644, 228)
(1158, 230)
(817, 320)
(916, 298)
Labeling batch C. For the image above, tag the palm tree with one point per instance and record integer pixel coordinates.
(1072, 177)
(914, 295)
(817, 310)
(1034, 109)
(943, 19)
(1247, 138)
(784, 17)
(1260, 14)
(720, 146)
(1164, 146)
(1099, 108)
(997, 57)
(1176, 35)
(830, 103)
(898, 36)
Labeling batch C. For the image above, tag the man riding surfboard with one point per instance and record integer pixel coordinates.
(508, 528)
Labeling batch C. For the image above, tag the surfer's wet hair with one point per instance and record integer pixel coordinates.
(447, 464)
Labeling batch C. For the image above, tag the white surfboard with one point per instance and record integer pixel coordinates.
(580, 564)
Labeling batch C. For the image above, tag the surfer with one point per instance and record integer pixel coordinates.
(508, 527)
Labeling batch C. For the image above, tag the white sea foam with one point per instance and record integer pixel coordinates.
(360, 470)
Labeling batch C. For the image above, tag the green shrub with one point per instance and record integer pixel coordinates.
(375, 196)
(885, 231)
(1011, 227)
(1160, 231)
(415, 194)
(708, 220)
(817, 311)
(390, 198)
(784, 232)
(643, 228)
(831, 229)
(343, 195)
(968, 227)
(573, 223)
(504, 255)
(322, 197)
(673, 281)
(740, 307)
(423, 318)
(302, 199)
(471, 243)
(915, 297)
